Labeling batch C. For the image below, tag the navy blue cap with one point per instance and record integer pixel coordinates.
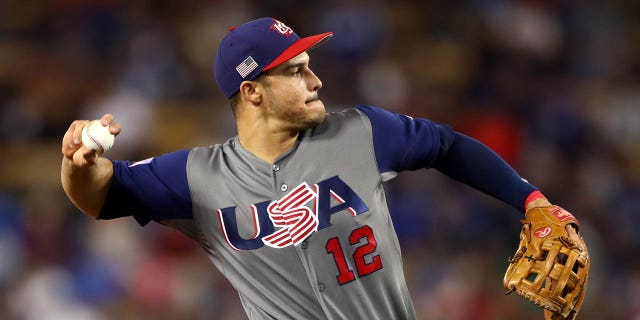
(257, 46)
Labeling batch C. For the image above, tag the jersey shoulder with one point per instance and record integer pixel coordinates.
(347, 119)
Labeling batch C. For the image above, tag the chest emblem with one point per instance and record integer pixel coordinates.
(296, 221)
(297, 215)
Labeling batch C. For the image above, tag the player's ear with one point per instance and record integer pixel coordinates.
(251, 92)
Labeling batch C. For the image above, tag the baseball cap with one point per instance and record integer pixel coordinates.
(257, 46)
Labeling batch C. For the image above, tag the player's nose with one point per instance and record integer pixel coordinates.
(314, 82)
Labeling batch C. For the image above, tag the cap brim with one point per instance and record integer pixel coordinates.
(299, 47)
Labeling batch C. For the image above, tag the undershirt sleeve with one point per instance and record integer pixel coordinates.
(403, 143)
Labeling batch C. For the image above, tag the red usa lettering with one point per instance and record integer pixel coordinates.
(290, 214)
(297, 221)
(543, 232)
(281, 28)
(561, 214)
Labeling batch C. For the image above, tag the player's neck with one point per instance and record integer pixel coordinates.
(265, 144)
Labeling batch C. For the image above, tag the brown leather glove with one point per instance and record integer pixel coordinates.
(551, 265)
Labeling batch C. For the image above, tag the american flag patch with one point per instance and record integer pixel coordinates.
(246, 66)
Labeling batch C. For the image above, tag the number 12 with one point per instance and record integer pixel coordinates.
(363, 267)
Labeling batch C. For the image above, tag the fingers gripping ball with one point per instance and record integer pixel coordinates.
(97, 137)
(551, 265)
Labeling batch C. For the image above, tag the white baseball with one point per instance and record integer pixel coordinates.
(97, 137)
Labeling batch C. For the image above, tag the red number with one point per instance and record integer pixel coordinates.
(344, 274)
(363, 267)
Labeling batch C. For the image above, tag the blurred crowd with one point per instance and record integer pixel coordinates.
(553, 86)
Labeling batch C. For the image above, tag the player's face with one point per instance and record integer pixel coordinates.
(291, 94)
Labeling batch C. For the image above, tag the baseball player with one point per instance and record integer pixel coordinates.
(292, 210)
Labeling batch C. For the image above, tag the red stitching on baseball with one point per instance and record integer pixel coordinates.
(92, 138)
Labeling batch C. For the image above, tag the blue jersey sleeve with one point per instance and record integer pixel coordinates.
(152, 189)
(404, 143)
(401, 142)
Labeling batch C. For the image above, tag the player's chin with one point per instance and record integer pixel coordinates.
(315, 115)
(316, 107)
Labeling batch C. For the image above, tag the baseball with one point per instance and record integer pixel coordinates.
(97, 137)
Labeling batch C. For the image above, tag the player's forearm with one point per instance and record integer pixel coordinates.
(87, 187)
(471, 162)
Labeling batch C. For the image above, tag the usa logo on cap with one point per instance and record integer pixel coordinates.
(246, 67)
(282, 28)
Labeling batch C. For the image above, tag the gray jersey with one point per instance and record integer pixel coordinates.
(355, 246)
(307, 237)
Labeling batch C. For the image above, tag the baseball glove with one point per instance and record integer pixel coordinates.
(551, 265)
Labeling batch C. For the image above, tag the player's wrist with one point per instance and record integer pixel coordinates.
(535, 200)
